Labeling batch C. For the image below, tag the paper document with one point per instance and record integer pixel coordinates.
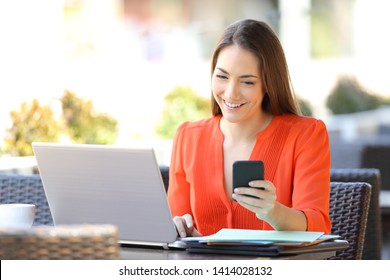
(247, 235)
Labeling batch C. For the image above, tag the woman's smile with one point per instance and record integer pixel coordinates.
(233, 105)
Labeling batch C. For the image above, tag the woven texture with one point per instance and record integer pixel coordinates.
(373, 238)
(16, 188)
(349, 204)
(70, 242)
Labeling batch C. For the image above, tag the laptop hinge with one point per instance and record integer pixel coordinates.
(165, 246)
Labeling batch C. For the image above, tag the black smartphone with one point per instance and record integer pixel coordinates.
(245, 171)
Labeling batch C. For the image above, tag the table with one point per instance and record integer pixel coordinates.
(129, 252)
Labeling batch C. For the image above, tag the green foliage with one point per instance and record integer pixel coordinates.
(385, 100)
(181, 104)
(348, 96)
(32, 122)
(79, 121)
(84, 124)
(305, 107)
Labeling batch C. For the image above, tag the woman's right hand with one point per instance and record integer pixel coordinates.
(185, 226)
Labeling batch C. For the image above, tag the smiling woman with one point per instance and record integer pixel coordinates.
(268, 62)
(236, 83)
(255, 117)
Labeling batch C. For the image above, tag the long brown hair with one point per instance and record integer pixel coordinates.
(258, 38)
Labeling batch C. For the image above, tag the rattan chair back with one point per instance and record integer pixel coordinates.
(349, 204)
(18, 188)
(373, 239)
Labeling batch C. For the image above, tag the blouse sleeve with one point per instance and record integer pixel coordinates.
(179, 188)
(312, 176)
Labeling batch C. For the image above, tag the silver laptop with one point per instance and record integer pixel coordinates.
(104, 184)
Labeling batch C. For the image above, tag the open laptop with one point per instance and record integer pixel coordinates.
(105, 184)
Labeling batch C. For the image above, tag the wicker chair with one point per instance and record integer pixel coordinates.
(349, 204)
(17, 188)
(70, 242)
(373, 239)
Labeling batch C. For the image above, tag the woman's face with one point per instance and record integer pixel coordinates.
(236, 84)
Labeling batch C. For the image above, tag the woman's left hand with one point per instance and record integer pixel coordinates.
(263, 201)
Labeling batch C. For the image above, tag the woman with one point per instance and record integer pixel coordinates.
(255, 117)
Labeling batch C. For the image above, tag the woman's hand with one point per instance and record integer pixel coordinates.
(185, 226)
(263, 201)
(266, 208)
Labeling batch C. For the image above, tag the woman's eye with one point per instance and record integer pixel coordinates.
(248, 82)
(221, 76)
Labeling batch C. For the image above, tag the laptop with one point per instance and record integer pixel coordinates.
(107, 184)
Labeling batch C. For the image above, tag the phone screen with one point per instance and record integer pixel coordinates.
(245, 171)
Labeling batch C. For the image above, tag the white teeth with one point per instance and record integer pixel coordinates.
(232, 105)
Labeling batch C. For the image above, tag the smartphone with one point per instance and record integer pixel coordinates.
(245, 171)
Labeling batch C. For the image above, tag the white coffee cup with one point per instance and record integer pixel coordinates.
(17, 215)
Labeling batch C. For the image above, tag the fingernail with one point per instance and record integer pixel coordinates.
(182, 234)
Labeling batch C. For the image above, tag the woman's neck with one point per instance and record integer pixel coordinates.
(245, 130)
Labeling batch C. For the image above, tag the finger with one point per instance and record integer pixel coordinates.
(245, 199)
(263, 185)
(196, 233)
(189, 225)
(180, 226)
(250, 191)
(188, 221)
(260, 184)
(256, 197)
(259, 206)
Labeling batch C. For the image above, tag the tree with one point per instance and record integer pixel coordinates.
(32, 122)
(348, 96)
(181, 104)
(84, 124)
(79, 121)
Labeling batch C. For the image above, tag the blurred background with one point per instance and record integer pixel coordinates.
(129, 71)
(123, 71)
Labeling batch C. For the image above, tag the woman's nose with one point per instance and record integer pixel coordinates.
(232, 91)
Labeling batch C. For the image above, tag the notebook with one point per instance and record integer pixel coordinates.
(107, 184)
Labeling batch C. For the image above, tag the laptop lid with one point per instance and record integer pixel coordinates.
(108, 185)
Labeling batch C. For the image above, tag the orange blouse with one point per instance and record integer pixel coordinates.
(296, 155)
